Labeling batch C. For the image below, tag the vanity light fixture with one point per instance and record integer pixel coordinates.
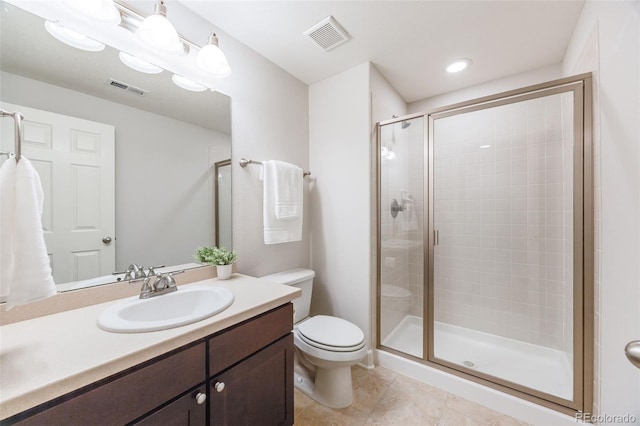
(212, 60)
(72, 38)
(157, 31)
(187, 84)
(100, 11)
(138, 64)
(458, 65)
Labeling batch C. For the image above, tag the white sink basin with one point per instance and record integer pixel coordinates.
(186, 305)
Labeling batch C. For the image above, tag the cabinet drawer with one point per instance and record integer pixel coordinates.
(128, 397)
(249, 337)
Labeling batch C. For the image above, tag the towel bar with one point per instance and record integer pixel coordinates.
(243, 163)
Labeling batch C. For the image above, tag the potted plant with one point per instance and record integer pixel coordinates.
(219, 256)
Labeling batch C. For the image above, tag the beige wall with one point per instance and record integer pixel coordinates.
(339, 143)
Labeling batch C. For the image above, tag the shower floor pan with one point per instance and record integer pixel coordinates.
(537, 367)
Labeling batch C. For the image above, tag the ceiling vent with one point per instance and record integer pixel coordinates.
(126, 87)
(327, 34)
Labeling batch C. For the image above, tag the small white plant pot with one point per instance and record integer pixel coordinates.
(224, 271)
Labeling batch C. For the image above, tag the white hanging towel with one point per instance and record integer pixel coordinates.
(26, 273)
(282, 202)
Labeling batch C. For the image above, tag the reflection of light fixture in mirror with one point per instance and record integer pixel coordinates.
(211, 59)
(72, 38)
(157, 31)
(187, 84)
(458, 65)
(138, 64)
(100, 11)
(485, 146)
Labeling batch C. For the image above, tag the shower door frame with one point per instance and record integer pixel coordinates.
(583, 242)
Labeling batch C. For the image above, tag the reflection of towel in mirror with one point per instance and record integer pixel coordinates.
(409, 222)
(25, 274)
(282, 203)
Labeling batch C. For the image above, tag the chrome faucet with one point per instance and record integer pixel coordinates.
(135, 272)
(162, 284)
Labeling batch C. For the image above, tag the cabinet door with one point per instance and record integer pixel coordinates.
(190, 410)
(133, 393)
(258, 391)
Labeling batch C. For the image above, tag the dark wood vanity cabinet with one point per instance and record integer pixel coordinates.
(259, 389)
(253, 359)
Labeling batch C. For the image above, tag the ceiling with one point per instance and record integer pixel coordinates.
(410, 42)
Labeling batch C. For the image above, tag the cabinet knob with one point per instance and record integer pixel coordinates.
(201, 398)
(219, 387)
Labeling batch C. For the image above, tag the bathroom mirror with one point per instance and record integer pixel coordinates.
(167, 143)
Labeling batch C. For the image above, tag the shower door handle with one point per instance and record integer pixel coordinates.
(436, 237)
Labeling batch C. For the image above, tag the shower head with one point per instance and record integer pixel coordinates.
(405, 123)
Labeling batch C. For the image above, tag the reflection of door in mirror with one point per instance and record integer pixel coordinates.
(223, 203)
(75, 161)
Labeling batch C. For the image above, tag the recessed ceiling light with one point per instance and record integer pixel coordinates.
(458, 65)
(72, 38)
(187, 84)
(138, 64)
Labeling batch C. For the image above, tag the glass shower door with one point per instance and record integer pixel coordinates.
(401, 211)
(506, 209)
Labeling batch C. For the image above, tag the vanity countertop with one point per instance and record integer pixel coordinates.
(49, 356)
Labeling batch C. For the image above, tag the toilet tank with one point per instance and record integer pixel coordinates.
(301, 278)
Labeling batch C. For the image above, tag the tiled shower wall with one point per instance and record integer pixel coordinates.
(401, 237)
(503, 208)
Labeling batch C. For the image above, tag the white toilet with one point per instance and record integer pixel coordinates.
(326, 346)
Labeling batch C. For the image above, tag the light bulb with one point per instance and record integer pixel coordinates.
(101, 11)
(157, 31)
(138, 64)
(187, 84)
(212, 60)
(72, 38)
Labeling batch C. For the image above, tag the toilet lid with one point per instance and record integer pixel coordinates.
(330, 332)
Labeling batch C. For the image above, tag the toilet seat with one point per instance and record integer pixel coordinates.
(331, 334)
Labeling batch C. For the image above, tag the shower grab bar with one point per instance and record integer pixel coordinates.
(17, 121)
(244, 162)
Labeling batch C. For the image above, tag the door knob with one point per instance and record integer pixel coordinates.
(106, 240)
(633, 352)
(201, 398)
(219, 387)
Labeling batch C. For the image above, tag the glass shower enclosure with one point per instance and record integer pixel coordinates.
(485, 241)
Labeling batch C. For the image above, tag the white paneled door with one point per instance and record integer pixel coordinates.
(75, 160)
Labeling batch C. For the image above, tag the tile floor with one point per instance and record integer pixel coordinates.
(382, 397)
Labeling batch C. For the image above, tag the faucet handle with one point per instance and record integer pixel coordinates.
(172, 280)
(152, 270)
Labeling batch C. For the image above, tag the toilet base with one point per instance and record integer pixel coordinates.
(332, 387)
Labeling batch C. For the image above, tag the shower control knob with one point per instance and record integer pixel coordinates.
(201, 398)
(219, 387)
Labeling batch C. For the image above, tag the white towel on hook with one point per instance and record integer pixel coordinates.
(26, 272)
(282, 202)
